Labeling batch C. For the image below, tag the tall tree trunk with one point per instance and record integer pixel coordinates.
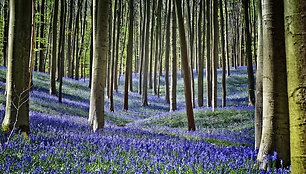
(117, 48)
(215, 53)
(200, 58)
(295, 27)
(146, 61)
(249, 55)
(69, 44)
(18, 85)
(167, 98)
(5, 31)
(228, 73)
(223, 56)
(112, 64)
(128, 65)
(62, 48)
(141, 28)
(100, 23)
(187, 87)
(42, 35)
(173, 105)
(259, 71)
(54, 51)
(208, 53)
(151, 44)
(275, 130)
(157, 50)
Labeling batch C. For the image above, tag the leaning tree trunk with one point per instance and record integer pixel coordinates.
(295, 27)
(259, 71)
(275, 129)
(186, 74)
(100, 24)
(18, 85)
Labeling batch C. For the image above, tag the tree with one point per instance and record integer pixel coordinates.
(42, 35)
(100, 24)
(223, 57)
(295, 27)
(275, 130)
(208, 67)
(54, 51)
(215, 53)
(146, 55)
(259, 71)
(128, 65)
(187, 86)
(173, 106)
(5, 32)
(167, 53)
(249, 54)
(18, 85)
(200, 57)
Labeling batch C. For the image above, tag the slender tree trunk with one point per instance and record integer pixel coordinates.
(208, 53)
(275, 131)
(117, 48)
(70, 31)
(223, 56)
(259, 78)
(187, 87)
(128, 65)
(215, 53)
(146, 61)
(228, 73)
(42, 35)
(62, 48)
(157, 50)
(249, 55)
(54, 51)
(100, 23)
(5, 30)
(167, 98)
(18, 85)
(200, 58)
(151, 45)
(173, 105)
(295, 27)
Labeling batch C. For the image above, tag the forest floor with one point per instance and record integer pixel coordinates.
(140, 140)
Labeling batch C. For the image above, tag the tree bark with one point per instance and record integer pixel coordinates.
(275, 131)
(187, 87)
(249, 55)
(146, 61)
(100, 24)
(295, 27)
(173, 105)
(208, 53)
(200, 58)
(17, 100)
(167, 98)
(223, 56)
(5, 31)
(128, 65)
(215, 53)
(259, 71)
(54, 51)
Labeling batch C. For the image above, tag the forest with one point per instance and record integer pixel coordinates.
(153, 86)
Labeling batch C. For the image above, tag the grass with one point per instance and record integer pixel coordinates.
(152, 139)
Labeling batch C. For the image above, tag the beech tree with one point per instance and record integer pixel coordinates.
(295, 27)
(18, 80)
(275, 129)
(54, 51)
(185, 64)
(128, 65)
(100, 24)
(173, 106)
